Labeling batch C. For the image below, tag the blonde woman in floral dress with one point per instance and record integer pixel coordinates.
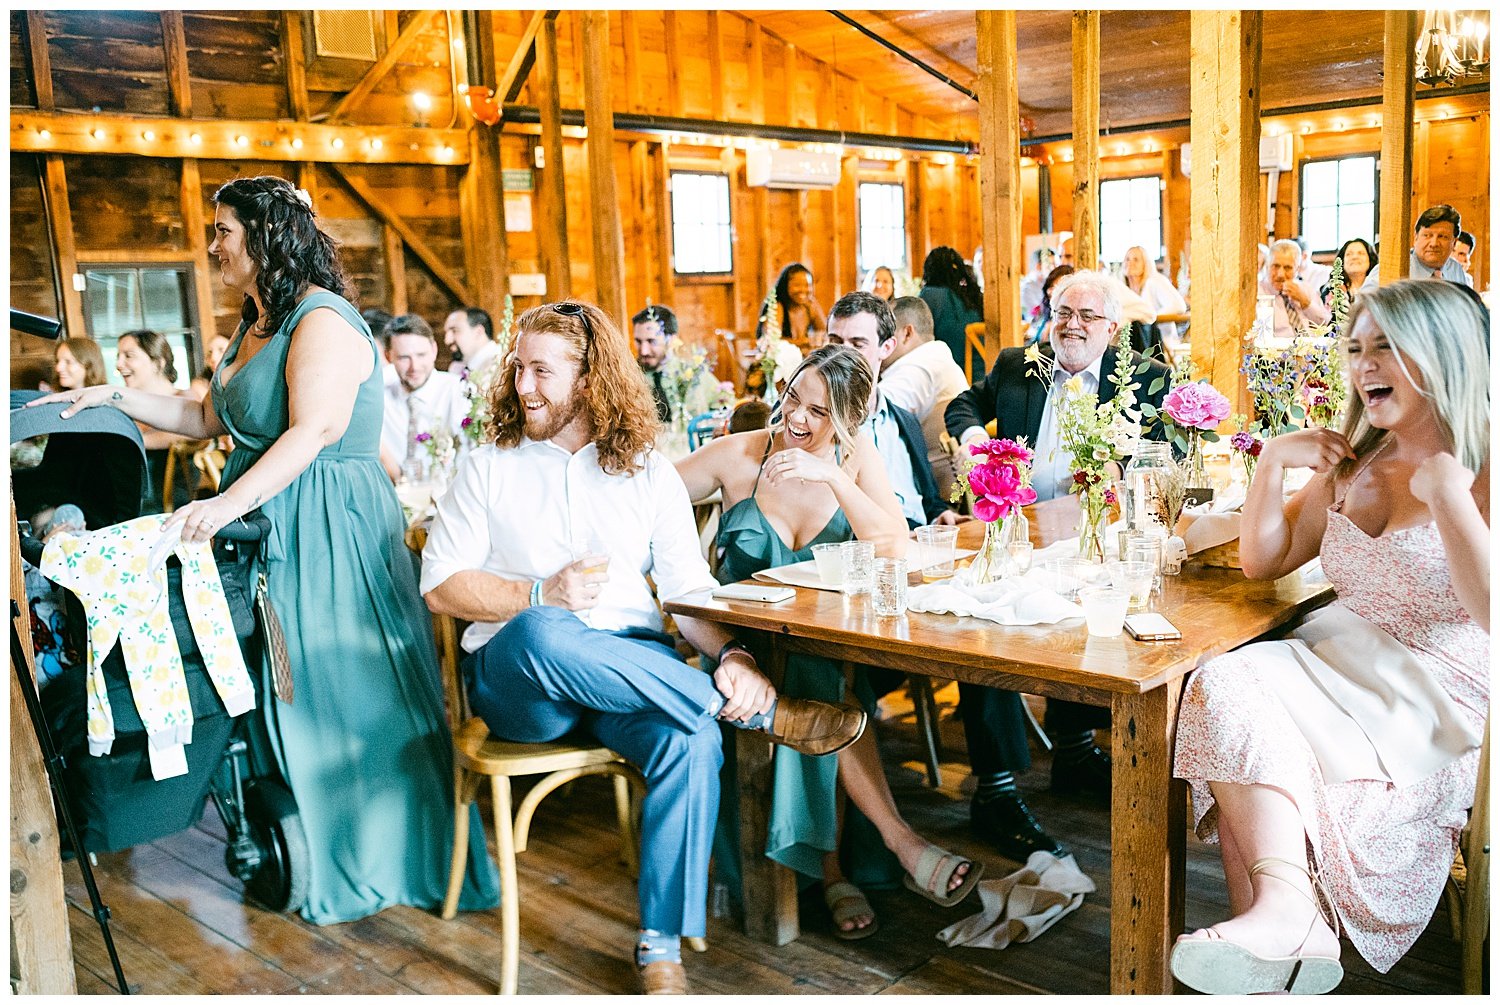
(1335, 767)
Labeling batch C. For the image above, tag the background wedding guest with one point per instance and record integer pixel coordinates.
(1310, 272)
(1294, 303)
(213, 351)
(1359, 260)
(422, 399)
(1156, 289)
(920, 376)
(949, 289)
(143, 359)
(652, 330)
(469, 335)
(1463, 248)
(1038, 328)
(803, 320)
(880, 281)
(1434, 234)
(1310, 777)
(77, 363)
(376, 319)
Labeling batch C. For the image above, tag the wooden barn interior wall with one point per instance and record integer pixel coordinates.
(695, 64)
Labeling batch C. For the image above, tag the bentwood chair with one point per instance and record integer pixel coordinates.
(181, 461)
(973, 343)
(477, 755)
(1468, 892)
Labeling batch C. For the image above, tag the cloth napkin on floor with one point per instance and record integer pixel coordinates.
(1023, 905)
(1021, 600)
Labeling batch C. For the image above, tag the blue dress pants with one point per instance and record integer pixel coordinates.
(546, 674)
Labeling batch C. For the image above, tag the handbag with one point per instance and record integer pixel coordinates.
(275, 641)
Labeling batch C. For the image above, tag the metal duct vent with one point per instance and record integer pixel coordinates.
(346, 34)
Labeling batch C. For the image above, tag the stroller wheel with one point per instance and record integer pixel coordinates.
(279, 882)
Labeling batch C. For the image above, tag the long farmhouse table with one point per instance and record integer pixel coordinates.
(1141, 683)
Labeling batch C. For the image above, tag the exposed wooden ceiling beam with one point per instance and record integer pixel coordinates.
(388, 216)
(510, 83)
(384, 65)
(218, 139)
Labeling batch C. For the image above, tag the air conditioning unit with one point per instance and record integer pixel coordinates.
(777, 168)
(1276, 152)
(1186, 153)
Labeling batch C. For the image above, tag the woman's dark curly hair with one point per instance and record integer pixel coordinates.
(784, 298)
(946, 268)
(289, 251)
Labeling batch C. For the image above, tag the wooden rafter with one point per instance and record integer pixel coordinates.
(521, 61)
(41, 60)
(293, 55)
(389, 217)
(174, 47)
(419, 23)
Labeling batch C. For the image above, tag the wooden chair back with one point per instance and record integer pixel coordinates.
(974, 343)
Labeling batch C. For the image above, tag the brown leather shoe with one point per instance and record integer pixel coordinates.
(815, 727)
(664, 977)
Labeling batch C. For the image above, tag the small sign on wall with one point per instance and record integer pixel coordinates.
(517, 213)
(516, 179)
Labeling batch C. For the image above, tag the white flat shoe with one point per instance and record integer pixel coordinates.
(1216, 966)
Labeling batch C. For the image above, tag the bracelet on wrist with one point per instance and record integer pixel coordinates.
(536, 594)
(732, 646)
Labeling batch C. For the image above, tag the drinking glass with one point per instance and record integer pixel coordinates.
(830, 560)
(1104, 610)
(588, 545)
(1145, 546)
(1020, 553)
(1133, 579)
(858, 561)
(935, 551)
(888, 595)
(1065, 575)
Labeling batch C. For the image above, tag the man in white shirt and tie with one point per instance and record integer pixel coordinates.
(420, 400)
(1295, 304)
(469, 335)
(1085, 319)
(545, 542)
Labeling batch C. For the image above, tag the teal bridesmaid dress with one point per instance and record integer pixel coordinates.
(364, 744)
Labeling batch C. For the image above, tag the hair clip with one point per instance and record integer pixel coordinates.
(305, 197)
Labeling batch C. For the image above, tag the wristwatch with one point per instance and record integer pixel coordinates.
(734, 645)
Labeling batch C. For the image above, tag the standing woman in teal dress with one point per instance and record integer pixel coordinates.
(812, 478)
(364, 743)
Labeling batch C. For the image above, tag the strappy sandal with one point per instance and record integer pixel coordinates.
(934, 873)
(846, 902)
(1216, 966)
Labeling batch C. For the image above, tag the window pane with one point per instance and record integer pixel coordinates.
(1356, 220)
(1129, 215)
(1320, 227)
(1320, 183)
(1357, 179)
(702, 235)
(119, 300)
(882, 225)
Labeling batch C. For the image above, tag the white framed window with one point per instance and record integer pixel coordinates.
(702, 232)
(122, 298)
(1339, 197)
(1130, 215)
(882, 225)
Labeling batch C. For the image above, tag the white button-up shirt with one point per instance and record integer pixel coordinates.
(886, 433)
(439, 404)
(524, 512)
(1052, 468)
(923, 382)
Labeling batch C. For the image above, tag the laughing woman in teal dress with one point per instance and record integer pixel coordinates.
(813, 477)
(364, 743)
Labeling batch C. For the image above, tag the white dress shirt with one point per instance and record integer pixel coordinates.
(1316, 312)
(1052, 468)
(923, 382)
(886, 433)
(1163, 298)
(524, 512)
(439, 404)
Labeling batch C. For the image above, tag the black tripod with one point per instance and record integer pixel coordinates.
(54, 763)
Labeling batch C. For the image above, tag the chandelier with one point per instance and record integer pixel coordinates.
(1452, 45)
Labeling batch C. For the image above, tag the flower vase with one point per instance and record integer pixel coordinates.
(992, 562)
(1091, 527)
(1199, 490)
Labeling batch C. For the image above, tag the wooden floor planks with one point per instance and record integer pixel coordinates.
(182, 926)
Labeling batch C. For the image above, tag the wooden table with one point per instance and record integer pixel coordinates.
(1141, 683)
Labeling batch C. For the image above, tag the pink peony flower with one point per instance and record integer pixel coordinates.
(1004, 451)
(998, 490)
(1198, 404)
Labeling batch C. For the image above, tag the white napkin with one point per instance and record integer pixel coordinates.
(1213, 523)
(805, 574)
(1023, 905)
(1024, 600)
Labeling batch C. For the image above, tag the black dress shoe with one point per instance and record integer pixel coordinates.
(1087, 777)
(1006, 823)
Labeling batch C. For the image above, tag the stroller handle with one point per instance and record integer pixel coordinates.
(253, 526)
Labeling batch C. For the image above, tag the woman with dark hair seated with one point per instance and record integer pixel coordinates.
(797, 315)
(953, 294)
(1360, 261)
(364, 742)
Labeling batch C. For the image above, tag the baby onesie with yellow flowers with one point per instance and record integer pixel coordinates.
(119, 574)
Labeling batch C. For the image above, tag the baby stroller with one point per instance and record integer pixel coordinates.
(97, 462)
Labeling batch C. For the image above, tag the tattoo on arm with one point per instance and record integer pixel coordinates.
(117, 396)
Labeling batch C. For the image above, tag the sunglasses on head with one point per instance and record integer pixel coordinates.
(574, 310)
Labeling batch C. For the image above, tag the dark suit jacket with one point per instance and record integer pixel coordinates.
(1014, 397)
(933, 504)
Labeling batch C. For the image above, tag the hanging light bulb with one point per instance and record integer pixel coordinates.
(1451, 45)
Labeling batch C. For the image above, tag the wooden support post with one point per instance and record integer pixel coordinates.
(716, 64)
(60, 221)
(604, 204)
(394, 253)
(673, 44)
(999, 179)
(789, 83)
(174, 47)
(1225, 210)
(481, 204)
(553, 236)
(757, 59)
(41, 60)
(294, 56)
(1086, 139)
(1397, 109)
(41, 947)
(661, 176)
(194, 222)
(630, 34)
(419, 23)
(445, 276)
(845, 222)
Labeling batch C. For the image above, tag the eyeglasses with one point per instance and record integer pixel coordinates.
(1065, 315)
(574, 310)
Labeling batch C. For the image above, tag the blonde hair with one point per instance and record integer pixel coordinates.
(1441, 332)
(622, 414)
(847, 376)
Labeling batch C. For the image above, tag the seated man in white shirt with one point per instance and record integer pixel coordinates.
(1295, 304)
(420, 400)
(920, 376)
(469, 335)
(545, 541)
(1309, 271)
